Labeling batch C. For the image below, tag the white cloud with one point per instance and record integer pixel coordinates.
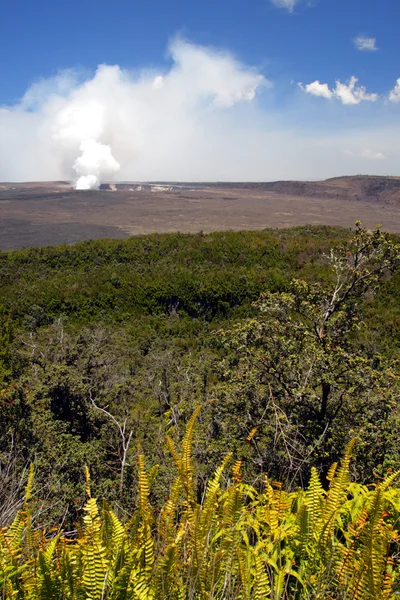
(211, 75)
(352, 93)
(365, 44)
(288, 4)
(394, 95)
(63, 83)
(317, 89)
(349, 93)
(366, 153)
(199, 119)
(89, 129)
(158, 82)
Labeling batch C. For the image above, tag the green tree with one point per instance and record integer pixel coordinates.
(6, 339)
(300, 373)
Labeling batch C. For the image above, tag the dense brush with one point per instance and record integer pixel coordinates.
(238, 543)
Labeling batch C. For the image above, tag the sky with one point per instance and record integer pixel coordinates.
(211, 90)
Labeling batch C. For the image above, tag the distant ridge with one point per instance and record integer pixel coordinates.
(370, 188)
(385, 190)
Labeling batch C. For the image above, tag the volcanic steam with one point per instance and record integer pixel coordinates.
(95, 164)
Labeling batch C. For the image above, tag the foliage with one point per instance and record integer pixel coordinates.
(6, 339)
(303, 359)
(236, 543)
(130, 327)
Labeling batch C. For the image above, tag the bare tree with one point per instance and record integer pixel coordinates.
(126, 438)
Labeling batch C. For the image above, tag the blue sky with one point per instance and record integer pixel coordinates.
(287, 42)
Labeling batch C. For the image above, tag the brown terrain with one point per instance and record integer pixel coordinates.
(43, 213)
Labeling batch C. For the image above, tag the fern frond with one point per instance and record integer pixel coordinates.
(336, 495)
(87, 480)
(93, 552)
(144, 486)
(186, 457)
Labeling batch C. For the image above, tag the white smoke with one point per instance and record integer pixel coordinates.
(84, 121)
(121, 123)
(95, 164)
(205, 116)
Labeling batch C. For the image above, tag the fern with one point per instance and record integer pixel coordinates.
(239, 543)
(93, 552)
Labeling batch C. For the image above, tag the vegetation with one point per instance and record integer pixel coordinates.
(238, 542)
(288, 340)
(305, 359)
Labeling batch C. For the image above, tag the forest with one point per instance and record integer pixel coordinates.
(202, 416)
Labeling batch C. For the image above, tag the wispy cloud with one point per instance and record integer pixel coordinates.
(287, 4)
(365, 44)
(347, 93)
(366, 153)
(394, 95)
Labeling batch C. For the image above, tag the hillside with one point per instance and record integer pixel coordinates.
(384, 190)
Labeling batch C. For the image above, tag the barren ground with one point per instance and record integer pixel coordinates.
(52, 213)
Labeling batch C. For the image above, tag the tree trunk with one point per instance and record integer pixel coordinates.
(326, 390)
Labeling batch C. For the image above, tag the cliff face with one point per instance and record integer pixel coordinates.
(385, 190)
(382, 189)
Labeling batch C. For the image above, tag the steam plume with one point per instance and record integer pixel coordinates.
(205, 116)
(120, 123)
(85, 119)
(94, 164)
